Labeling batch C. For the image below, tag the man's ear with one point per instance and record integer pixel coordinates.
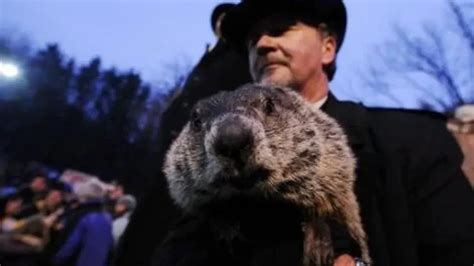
(328, 49)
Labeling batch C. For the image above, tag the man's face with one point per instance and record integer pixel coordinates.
(38, 184)
(53, 199)
(120, 209)
(13, 206)
(116, 192)
(291, 55)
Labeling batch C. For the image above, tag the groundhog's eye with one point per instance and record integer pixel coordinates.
(196, 122)
(269, 106)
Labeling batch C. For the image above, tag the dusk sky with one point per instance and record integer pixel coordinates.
(151, 35)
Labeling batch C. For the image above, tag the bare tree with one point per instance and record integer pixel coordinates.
(435, 62)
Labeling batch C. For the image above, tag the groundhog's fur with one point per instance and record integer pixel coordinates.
(291, 152)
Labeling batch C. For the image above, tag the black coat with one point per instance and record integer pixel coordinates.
(422, 210)
(425, 200)
(415, 201)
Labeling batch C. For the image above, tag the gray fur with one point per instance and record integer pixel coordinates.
(303, 151)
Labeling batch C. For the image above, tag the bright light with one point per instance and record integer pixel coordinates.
(9, 70)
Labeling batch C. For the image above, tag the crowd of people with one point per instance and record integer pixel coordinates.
(51, 222)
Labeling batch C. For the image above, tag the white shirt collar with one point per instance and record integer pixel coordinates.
(320, 103)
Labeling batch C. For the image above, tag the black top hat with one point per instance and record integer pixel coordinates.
(239, 20)
(218, 11)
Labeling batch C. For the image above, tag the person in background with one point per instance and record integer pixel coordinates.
(462, 128)
(115, 190)
(88, 230)
(9, 219)
(33, 194)
(123, 210)
(34, 230)
(52, 202)
(21, 239)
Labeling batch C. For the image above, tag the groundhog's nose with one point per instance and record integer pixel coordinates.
(233, 140)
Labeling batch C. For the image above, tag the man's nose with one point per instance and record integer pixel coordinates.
(265, 44)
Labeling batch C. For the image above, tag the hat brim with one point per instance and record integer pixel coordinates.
(238, 22)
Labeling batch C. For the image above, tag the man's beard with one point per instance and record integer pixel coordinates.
(290, 83)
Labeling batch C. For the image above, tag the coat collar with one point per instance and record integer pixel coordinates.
(352, 118)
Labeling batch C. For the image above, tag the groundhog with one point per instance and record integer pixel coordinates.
(260, 145)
